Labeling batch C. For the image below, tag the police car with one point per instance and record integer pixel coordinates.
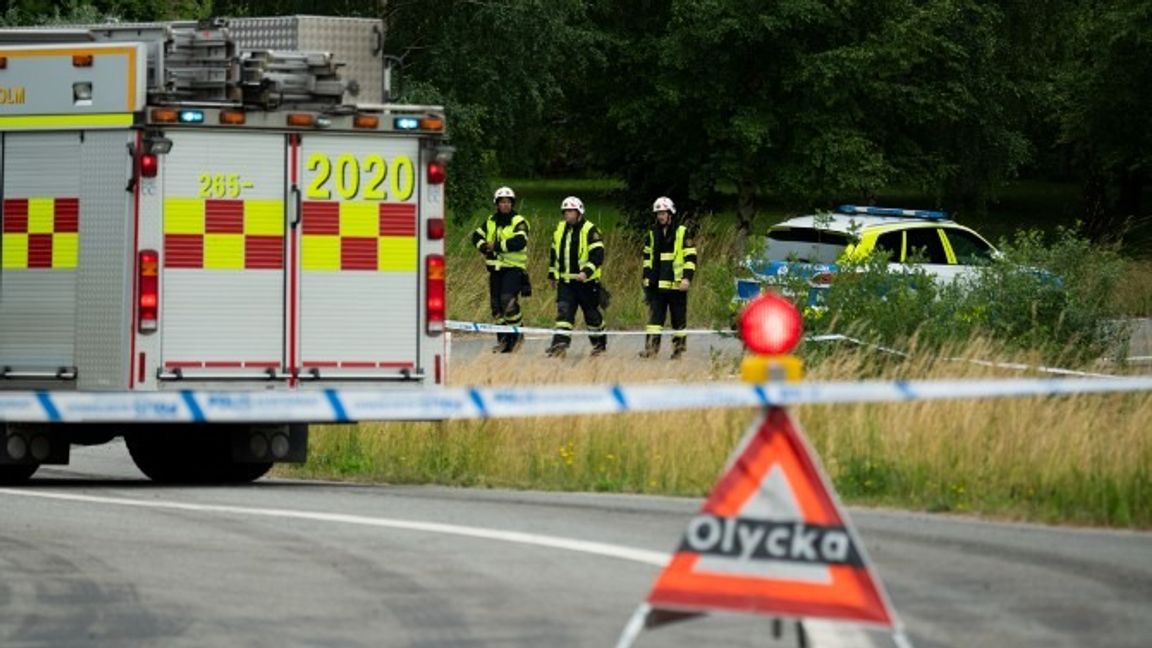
(813, 248)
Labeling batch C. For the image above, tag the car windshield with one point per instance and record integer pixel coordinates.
(806, 244)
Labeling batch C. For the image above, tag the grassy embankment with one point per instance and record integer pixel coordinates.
(1083, 460)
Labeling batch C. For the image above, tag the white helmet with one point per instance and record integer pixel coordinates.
(572, 202)
(664, 203)
(504, 192)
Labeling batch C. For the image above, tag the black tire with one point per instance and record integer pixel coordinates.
(183, 455)
(16, 474)
(234, 472)
(166, 457)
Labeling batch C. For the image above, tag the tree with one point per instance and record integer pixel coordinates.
(499, 69)
(1105, 90)
(810, 101)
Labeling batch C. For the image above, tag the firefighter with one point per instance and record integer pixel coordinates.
(503, 241)
(577, 257)
(669, 267)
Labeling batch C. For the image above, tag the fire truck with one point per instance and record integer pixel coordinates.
(212, 206)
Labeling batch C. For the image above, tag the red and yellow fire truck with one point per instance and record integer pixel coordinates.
(223, 205)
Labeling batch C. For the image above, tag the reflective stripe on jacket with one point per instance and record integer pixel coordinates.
(589, 252)
(666, 265)
(510, 248)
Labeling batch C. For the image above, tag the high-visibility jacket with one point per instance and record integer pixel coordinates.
(669, 257)
(576, 248)
(509, 235)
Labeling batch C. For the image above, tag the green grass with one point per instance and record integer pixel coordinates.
(1079, 460)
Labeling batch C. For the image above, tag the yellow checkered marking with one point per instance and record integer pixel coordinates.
(40, 215)
(223, 251)
(184, 216)
(15, 251)
(320, 253)
(358, 220)
(264, 217)
(65, 250)
(40, 233)
(396, 254)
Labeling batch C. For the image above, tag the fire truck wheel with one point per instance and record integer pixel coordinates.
(234, 472)
(181, 455)
(11, 475)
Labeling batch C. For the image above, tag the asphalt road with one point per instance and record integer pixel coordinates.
(92, 556)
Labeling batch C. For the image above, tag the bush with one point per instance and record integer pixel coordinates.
(1050, 297)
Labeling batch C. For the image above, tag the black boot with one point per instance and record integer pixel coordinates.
(513, 342)
(599, 344)
(501, 343)
(651, 346)
(679, 347)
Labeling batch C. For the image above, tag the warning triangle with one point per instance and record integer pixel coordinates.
(771, 539)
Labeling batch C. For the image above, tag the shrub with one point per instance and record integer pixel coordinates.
(1050, 297)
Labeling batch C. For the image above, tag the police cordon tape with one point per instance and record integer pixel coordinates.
(480, 327)
(344, 406)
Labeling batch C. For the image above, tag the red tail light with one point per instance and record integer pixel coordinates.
(434, 293)
(436, 173)
(149, 165)
(435, 228)
(148, 287)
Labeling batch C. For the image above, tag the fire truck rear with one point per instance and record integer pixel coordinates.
(184, 207)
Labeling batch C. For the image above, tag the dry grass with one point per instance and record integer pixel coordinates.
(1134, 297)
(1081, 460)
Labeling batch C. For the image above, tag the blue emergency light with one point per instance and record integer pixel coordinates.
(892, 211)
(191, 116)
(406, 123)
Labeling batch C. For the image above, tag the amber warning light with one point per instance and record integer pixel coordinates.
(771, 328)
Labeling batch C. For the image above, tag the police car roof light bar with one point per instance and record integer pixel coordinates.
(893, 211)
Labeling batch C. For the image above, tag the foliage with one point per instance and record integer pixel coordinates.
(1105, 87)
(500, 69)
(1053, 297)
(725, 105)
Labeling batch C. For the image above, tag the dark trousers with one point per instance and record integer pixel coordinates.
(661, 303)
(504, 287)
(572, 295)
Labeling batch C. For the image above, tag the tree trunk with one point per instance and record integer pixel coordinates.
(745, 212)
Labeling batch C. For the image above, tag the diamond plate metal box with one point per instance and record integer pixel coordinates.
(357, 42)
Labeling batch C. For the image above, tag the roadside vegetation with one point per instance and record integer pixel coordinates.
(1084, 460)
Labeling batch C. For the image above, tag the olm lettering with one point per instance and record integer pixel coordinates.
(11, 95)
(748, 539)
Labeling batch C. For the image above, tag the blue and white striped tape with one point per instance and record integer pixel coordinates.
(553, 400)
